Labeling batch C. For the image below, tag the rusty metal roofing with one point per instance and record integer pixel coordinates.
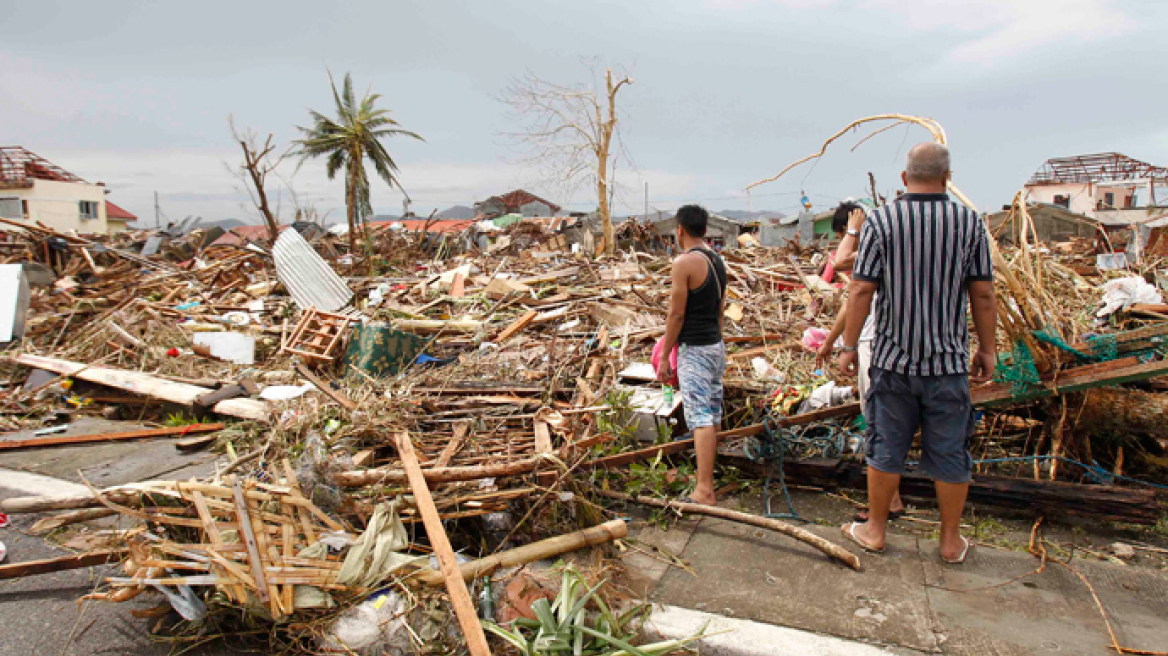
(308, 278)
(19, 167)
(1097, 167)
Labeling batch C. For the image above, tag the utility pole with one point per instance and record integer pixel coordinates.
(157, 212)
(646, 200)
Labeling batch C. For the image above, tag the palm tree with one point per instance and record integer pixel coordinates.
(355, 134)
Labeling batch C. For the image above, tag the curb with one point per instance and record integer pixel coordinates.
(737, 637)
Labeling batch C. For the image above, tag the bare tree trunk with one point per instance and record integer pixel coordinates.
(602, 164)
(252, 162)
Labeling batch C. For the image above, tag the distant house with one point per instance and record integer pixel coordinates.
(1052, 223)
(517, 202)
(1103, 185)
(117, 219)
(720, 231)
(33, 189)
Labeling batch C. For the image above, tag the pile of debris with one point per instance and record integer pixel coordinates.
(498, 396)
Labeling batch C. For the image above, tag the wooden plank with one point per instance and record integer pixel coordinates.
(461, 430)
(249, 538)
(108, 437)
(516, 326)
(464, 608)
(50, 565)
(543, 437)
(324, 386)
(1072, 381)
(458, 286)
(138, 382)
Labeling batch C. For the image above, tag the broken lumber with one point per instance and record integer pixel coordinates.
(8, 445)
(325, 386)
(826, 546)
(464, 609)
(549, 548)
(50, 565)
(516, 326)
(145, 384)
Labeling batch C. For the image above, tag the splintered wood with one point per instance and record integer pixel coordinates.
(248, 536)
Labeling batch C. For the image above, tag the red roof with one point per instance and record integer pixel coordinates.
(441, 226)
(243, 234)
(114, 212)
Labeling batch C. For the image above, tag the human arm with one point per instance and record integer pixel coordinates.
(845, 254)
(823, 357)
(979, 277)
(984, 308)
(860, 294)
(678, 295)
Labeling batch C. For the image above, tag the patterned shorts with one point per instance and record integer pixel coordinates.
(699, 373)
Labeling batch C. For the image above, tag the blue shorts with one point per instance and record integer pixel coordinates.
(699, 375)
(939, 405)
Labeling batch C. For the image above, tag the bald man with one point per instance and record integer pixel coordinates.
(928, 256)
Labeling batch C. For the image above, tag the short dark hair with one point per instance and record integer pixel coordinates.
(693, 219)
(839, 222)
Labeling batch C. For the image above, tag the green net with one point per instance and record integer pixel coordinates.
(1104, 347)
(1017, 370)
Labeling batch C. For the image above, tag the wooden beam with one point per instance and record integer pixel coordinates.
(50, 565)
(464, 609)
(325, 387)
(108, 437)
(138, 382)
(516, 326)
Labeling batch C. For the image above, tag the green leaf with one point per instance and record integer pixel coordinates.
(612, 640)
(514, 638)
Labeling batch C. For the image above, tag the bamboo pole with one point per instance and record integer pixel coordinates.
(549, 548)
(826, 546)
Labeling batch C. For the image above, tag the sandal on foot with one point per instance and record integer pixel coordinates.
(850, 531)
(964, 552)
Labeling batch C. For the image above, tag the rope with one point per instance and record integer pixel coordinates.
(774, 444)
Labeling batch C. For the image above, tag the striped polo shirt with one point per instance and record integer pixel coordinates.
(921, 250)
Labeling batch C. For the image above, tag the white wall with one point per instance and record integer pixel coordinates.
(1082, 195)
(57, 205)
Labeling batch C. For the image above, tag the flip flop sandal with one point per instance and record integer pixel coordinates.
(850, 531)
(862, 516)
(964, 552)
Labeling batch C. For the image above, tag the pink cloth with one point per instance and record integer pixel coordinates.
(672, 360)
(814, 338)
(829, 269)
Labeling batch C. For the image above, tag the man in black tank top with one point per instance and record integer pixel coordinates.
(695, 327)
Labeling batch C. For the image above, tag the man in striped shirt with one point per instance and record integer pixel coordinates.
(928, 256)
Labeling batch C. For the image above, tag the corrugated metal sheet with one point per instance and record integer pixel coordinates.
(306, 276)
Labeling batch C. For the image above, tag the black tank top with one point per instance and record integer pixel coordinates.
(703, 307)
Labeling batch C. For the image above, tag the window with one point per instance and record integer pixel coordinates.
(1109, 199)
(88, 209)
(11, 208)
(1065, 201)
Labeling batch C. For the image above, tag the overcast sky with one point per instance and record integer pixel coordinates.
(726, 92)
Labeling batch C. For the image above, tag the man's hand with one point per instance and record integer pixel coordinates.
(823, 356)
(984, 365)
(847, 362)
(856, 219)
(664, 371)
